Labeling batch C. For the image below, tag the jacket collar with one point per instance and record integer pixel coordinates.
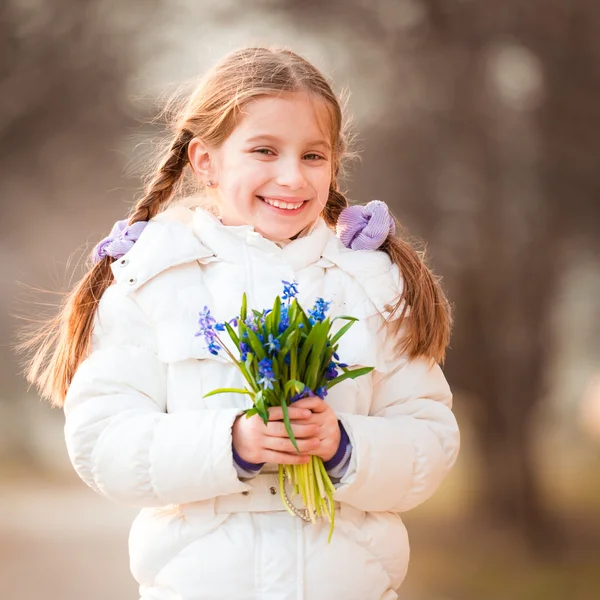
(180, 235)
(232, 243)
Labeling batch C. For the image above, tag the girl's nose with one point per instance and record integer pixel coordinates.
(291, 174)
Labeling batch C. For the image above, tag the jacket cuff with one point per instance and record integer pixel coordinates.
(343, 452)
(253, 468)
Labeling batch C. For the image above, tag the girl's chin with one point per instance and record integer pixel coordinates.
(277, 234)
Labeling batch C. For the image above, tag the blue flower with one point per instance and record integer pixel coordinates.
(220, 327)
(321, 392)
(250, 324)
(206, 320)
(317, 314)
(266, 382)
(207, 328)
(284, 319)
(331, 372)
(303, 394)
(273, 344)
(265, 368)
(244, 349)
(290, 290)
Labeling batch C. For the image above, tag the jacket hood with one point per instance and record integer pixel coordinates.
(181, 235)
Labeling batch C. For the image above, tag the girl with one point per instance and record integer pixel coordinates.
(262, 137)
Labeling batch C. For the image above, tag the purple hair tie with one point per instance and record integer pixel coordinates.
(365, 227)
(120, 240)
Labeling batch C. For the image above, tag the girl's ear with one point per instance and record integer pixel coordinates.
(201, 160)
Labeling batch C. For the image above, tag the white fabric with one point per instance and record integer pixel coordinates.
(139, 431)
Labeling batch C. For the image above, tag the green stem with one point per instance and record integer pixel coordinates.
(282, 490)
(310, 475)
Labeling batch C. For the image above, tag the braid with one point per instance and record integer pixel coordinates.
(161, 186)
(335, 205)
(427, 331)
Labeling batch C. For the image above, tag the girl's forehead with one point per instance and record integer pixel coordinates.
(296, 115)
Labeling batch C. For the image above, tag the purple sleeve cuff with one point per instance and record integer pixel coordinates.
(340, 454)
(247, 466)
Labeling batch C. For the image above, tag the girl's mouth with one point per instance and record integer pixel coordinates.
(284, 208)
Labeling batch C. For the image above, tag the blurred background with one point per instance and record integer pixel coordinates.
(479, 123)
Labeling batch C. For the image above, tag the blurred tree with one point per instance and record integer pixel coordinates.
(64, 71)
(490, 147)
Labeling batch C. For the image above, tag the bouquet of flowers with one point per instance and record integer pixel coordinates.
(285, 354)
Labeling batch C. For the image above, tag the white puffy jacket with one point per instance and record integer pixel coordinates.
(139, 431)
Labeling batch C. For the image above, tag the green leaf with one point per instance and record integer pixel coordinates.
(232, 335)
(255, 344)
(243, 311)
(251, 380)
(277, 376)
(343, 330)
(288, 425)
(316, 354)
(327, 358)
(345, 318)
(276, 314)
(295, 313)
(307, 345)
(251, 412)
(268, 324)
(228, 391)
(292, 385)
(353, 374)
(279, 358)
(259, 403)
(293, 350)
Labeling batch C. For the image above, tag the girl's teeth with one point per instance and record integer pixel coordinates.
(285, 205)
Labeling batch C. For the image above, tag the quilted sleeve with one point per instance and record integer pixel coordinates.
(119, 436)
(409, 441)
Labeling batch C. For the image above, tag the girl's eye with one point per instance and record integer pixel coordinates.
(267, 152)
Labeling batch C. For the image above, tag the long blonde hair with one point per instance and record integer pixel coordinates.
(211, 114)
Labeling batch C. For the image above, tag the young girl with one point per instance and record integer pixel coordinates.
(263, 138)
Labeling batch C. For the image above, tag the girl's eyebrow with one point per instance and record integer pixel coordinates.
(273, 138)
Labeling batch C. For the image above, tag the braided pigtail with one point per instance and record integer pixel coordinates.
(63, 342)
(430, 318)
(420, 318)
(161, 186)
(334, 207)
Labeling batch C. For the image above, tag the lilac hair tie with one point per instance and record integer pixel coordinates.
(119, 241)
(365, 227)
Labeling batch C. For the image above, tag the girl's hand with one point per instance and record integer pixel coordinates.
(325, 418)
(256, 442)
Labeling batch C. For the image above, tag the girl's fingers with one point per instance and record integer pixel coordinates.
(276, 413)
(314, 404)
(285, 458)
(282, 444)
(277, 429)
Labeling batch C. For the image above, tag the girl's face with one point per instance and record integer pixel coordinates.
(274, 170)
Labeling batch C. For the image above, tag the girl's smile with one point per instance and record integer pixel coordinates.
(284, 206)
